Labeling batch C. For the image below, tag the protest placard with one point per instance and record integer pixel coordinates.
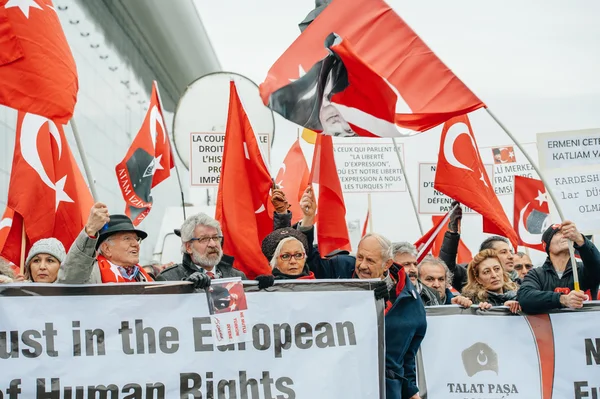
(570, 162)
(368, 167)
(508, 161)
(206, 153)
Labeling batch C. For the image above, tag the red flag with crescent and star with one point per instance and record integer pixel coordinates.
(292, 178)
(367, 73)
(460, 174)
(47, 189)
(37, 70)
(531, 212)
(148, 162)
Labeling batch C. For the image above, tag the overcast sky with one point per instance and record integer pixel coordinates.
(535, 63)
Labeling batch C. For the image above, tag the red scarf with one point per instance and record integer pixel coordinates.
(111, 274)
(400, 284)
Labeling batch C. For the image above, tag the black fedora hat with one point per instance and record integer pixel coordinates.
(118, 224)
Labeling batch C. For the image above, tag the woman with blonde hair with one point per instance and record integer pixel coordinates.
(488, 284)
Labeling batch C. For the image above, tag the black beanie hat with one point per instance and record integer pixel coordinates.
(547, 236)
(271, 241)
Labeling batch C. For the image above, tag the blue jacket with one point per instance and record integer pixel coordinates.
(405, 327)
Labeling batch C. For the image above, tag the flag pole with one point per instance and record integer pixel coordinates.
(86, 167)
(410, 193)
(370, 213)
(23, 247)
(548, 190)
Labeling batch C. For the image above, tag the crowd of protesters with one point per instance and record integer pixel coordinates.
(107, 251)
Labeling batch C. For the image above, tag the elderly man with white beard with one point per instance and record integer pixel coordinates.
(201, 240)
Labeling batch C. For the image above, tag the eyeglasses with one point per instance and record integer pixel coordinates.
(528, 266)
(205, 240)
(288, 257)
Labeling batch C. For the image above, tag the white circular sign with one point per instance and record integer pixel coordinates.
(204, 105)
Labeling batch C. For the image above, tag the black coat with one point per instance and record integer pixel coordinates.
(448, 254)
(185, 269)
(537, 295)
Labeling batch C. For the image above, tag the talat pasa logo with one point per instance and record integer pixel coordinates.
(478, 358)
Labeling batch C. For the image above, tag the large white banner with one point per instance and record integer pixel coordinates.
(301, 345)
(570, 162)
(494, 354)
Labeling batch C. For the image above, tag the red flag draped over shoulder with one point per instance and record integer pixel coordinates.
(460, 174)
(46, 186)
(531, 212)
(292, 178)
(37, 70)
(355, 45)
(244, 187)
(332, 231)
(148, 162)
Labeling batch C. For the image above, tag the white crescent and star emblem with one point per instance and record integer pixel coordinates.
(24, 5)
(485, 359)
(30, 128)
(155, 118)
(524, 234)
(453, 133)
(6, 222)
(282, 171)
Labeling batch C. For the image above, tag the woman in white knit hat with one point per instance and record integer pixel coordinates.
(43, 260)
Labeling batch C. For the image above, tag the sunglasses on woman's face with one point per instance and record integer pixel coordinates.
(520, 266)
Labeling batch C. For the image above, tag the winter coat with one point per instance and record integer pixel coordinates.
(187, 267)
(537, 295)
(405, 327)
(80, 265)
(448, 254)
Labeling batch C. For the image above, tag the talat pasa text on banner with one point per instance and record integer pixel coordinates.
(206, 156)
(468, 353)
(508, 161)
(165, 342)
(431, 201)
(570, 162)
(367, 167)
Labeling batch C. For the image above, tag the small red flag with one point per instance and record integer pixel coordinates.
(460, 174)
(332, 231)
(531, 212)
(292, 178)
(148, 162)
(244, 188)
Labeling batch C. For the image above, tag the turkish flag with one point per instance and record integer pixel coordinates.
(460, 174)
(11, 230)
(148, 162)
(46, 185)
(531, 212)
(351, 52)
(425, 243)
(244, 188)
(332, 231)
(463, 255)
(37, 70)
(292, 178)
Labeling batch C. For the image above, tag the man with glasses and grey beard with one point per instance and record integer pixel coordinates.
(201, 240)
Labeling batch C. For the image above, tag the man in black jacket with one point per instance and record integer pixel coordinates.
(201, 240)
(552, 285)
